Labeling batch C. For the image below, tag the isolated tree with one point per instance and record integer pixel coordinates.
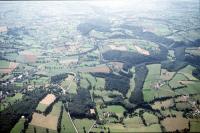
(84, 130)
(47, 130)
(34, 129)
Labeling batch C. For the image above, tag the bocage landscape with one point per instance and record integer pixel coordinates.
(100, 66)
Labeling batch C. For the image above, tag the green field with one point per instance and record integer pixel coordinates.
(4, 64)
(38, 129)
(81, 123)
(174, 83)
(18, 126)
(41, 107)
(100, 83)
(84, 83)
(187, 71)
(56, 109)
(195, 125)
(66, 123)
(119, 110)
(150, 118)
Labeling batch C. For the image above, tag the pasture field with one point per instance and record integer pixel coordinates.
(84, 83)
(190, 89)
(69, 84)
(116, 127)
(187, 71)
(39, 129)
(66, 123)
(96, 82)
(172, 124)
(4, 64)
(89, 78)
(18, 126)
(73, 88)
(175, 81)
(195, 126)
(134, 122)
(100, 83)
(171, 112)
(166, 75)
(183, 106)
(152, 79)
(10, 100)
(153, 72)
(150, 118)
(105, 94)
(83, 123)
(56, 109)
(119, 110)
(166, 104)
(150, 94)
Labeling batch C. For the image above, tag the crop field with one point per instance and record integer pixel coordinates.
(45, 102)
(142, 51)
(172, 124)
(49, 121)
(99, 68)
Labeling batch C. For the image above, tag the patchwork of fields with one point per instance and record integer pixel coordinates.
(99, 66)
